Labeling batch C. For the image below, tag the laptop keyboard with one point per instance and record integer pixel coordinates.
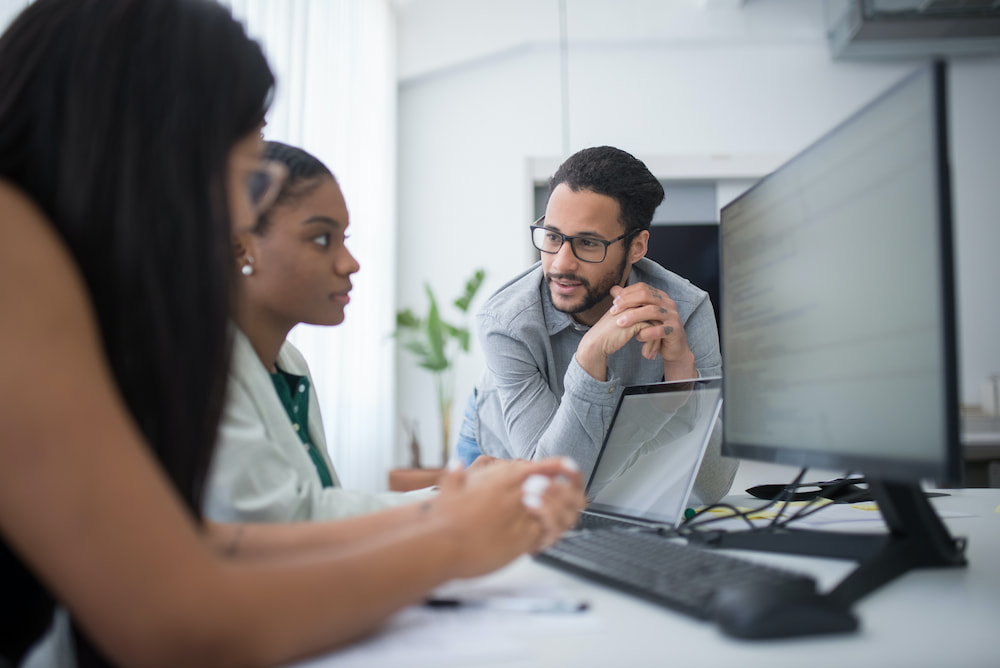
(591, 521)
(677, 575)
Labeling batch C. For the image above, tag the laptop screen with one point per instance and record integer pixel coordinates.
(653, 449)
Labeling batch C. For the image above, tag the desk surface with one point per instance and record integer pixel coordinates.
(941, 617)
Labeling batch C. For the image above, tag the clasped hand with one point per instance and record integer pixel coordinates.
(647, 314)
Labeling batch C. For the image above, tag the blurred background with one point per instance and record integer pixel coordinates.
(443, 119)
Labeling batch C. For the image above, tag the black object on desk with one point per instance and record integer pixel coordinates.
(780, 612)
(839, 490)
(745, 598)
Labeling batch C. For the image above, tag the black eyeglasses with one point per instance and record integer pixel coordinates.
(586, 249)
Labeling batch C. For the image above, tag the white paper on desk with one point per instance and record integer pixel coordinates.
(841, 513)
(837, 513)
(420, 636)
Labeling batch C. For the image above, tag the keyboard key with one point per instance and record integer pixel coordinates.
(683, 577)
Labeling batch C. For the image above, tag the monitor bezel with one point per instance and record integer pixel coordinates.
(947, 470)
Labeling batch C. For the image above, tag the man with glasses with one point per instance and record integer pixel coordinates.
(564, 338)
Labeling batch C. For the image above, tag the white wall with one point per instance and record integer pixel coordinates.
(975, 138)
(480, 104)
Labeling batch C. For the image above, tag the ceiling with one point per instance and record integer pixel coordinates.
(436, 35)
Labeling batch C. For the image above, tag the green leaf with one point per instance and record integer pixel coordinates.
(459, 334)
(406, 320)
(435, 332)
(471, 288)
(463, 337)
(435, 365)
(429, 339)
(417, 348)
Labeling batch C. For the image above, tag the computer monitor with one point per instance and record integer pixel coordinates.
(838, 324)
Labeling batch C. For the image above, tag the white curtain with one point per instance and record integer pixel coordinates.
(335, 64)
(9, 9)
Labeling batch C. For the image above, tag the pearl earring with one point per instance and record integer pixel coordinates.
(247, 269)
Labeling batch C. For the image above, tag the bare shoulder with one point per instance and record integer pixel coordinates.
(48, 328)
(38, 279)
(79, 490)
(49, 339)
(20, 216)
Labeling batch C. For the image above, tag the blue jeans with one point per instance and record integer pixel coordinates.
(467, 449)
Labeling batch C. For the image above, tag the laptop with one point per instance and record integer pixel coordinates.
(650, 457)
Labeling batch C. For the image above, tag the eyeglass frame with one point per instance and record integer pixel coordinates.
(277, 174)
(565, 237)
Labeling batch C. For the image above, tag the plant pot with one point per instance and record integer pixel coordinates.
(405, 480)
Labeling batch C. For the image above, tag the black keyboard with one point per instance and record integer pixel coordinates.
(683, 577)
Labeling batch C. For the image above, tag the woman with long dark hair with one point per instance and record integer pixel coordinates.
(129, 150)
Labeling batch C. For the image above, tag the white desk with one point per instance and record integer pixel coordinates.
(944, 617)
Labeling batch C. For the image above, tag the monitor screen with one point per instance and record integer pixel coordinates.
(837, 306)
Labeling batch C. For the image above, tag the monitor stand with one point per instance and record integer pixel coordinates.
(916, 539)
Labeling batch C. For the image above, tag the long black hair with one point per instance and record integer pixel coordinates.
(117, 118)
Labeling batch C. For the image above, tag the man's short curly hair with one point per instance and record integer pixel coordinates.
(610, 171)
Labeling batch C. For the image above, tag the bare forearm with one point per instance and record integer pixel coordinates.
(260, 540)
(112, 540)
(336, 600)
(224, 613)
(462, 535)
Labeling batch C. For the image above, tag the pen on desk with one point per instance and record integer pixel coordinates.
(510, 604)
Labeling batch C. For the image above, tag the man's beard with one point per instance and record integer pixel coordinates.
(594, 295)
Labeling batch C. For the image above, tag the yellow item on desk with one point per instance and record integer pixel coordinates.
(772, 511)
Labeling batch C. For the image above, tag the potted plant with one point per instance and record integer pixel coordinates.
(436, 344)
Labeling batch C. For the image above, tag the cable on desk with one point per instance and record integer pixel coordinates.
(694, 524)
(812, 508)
